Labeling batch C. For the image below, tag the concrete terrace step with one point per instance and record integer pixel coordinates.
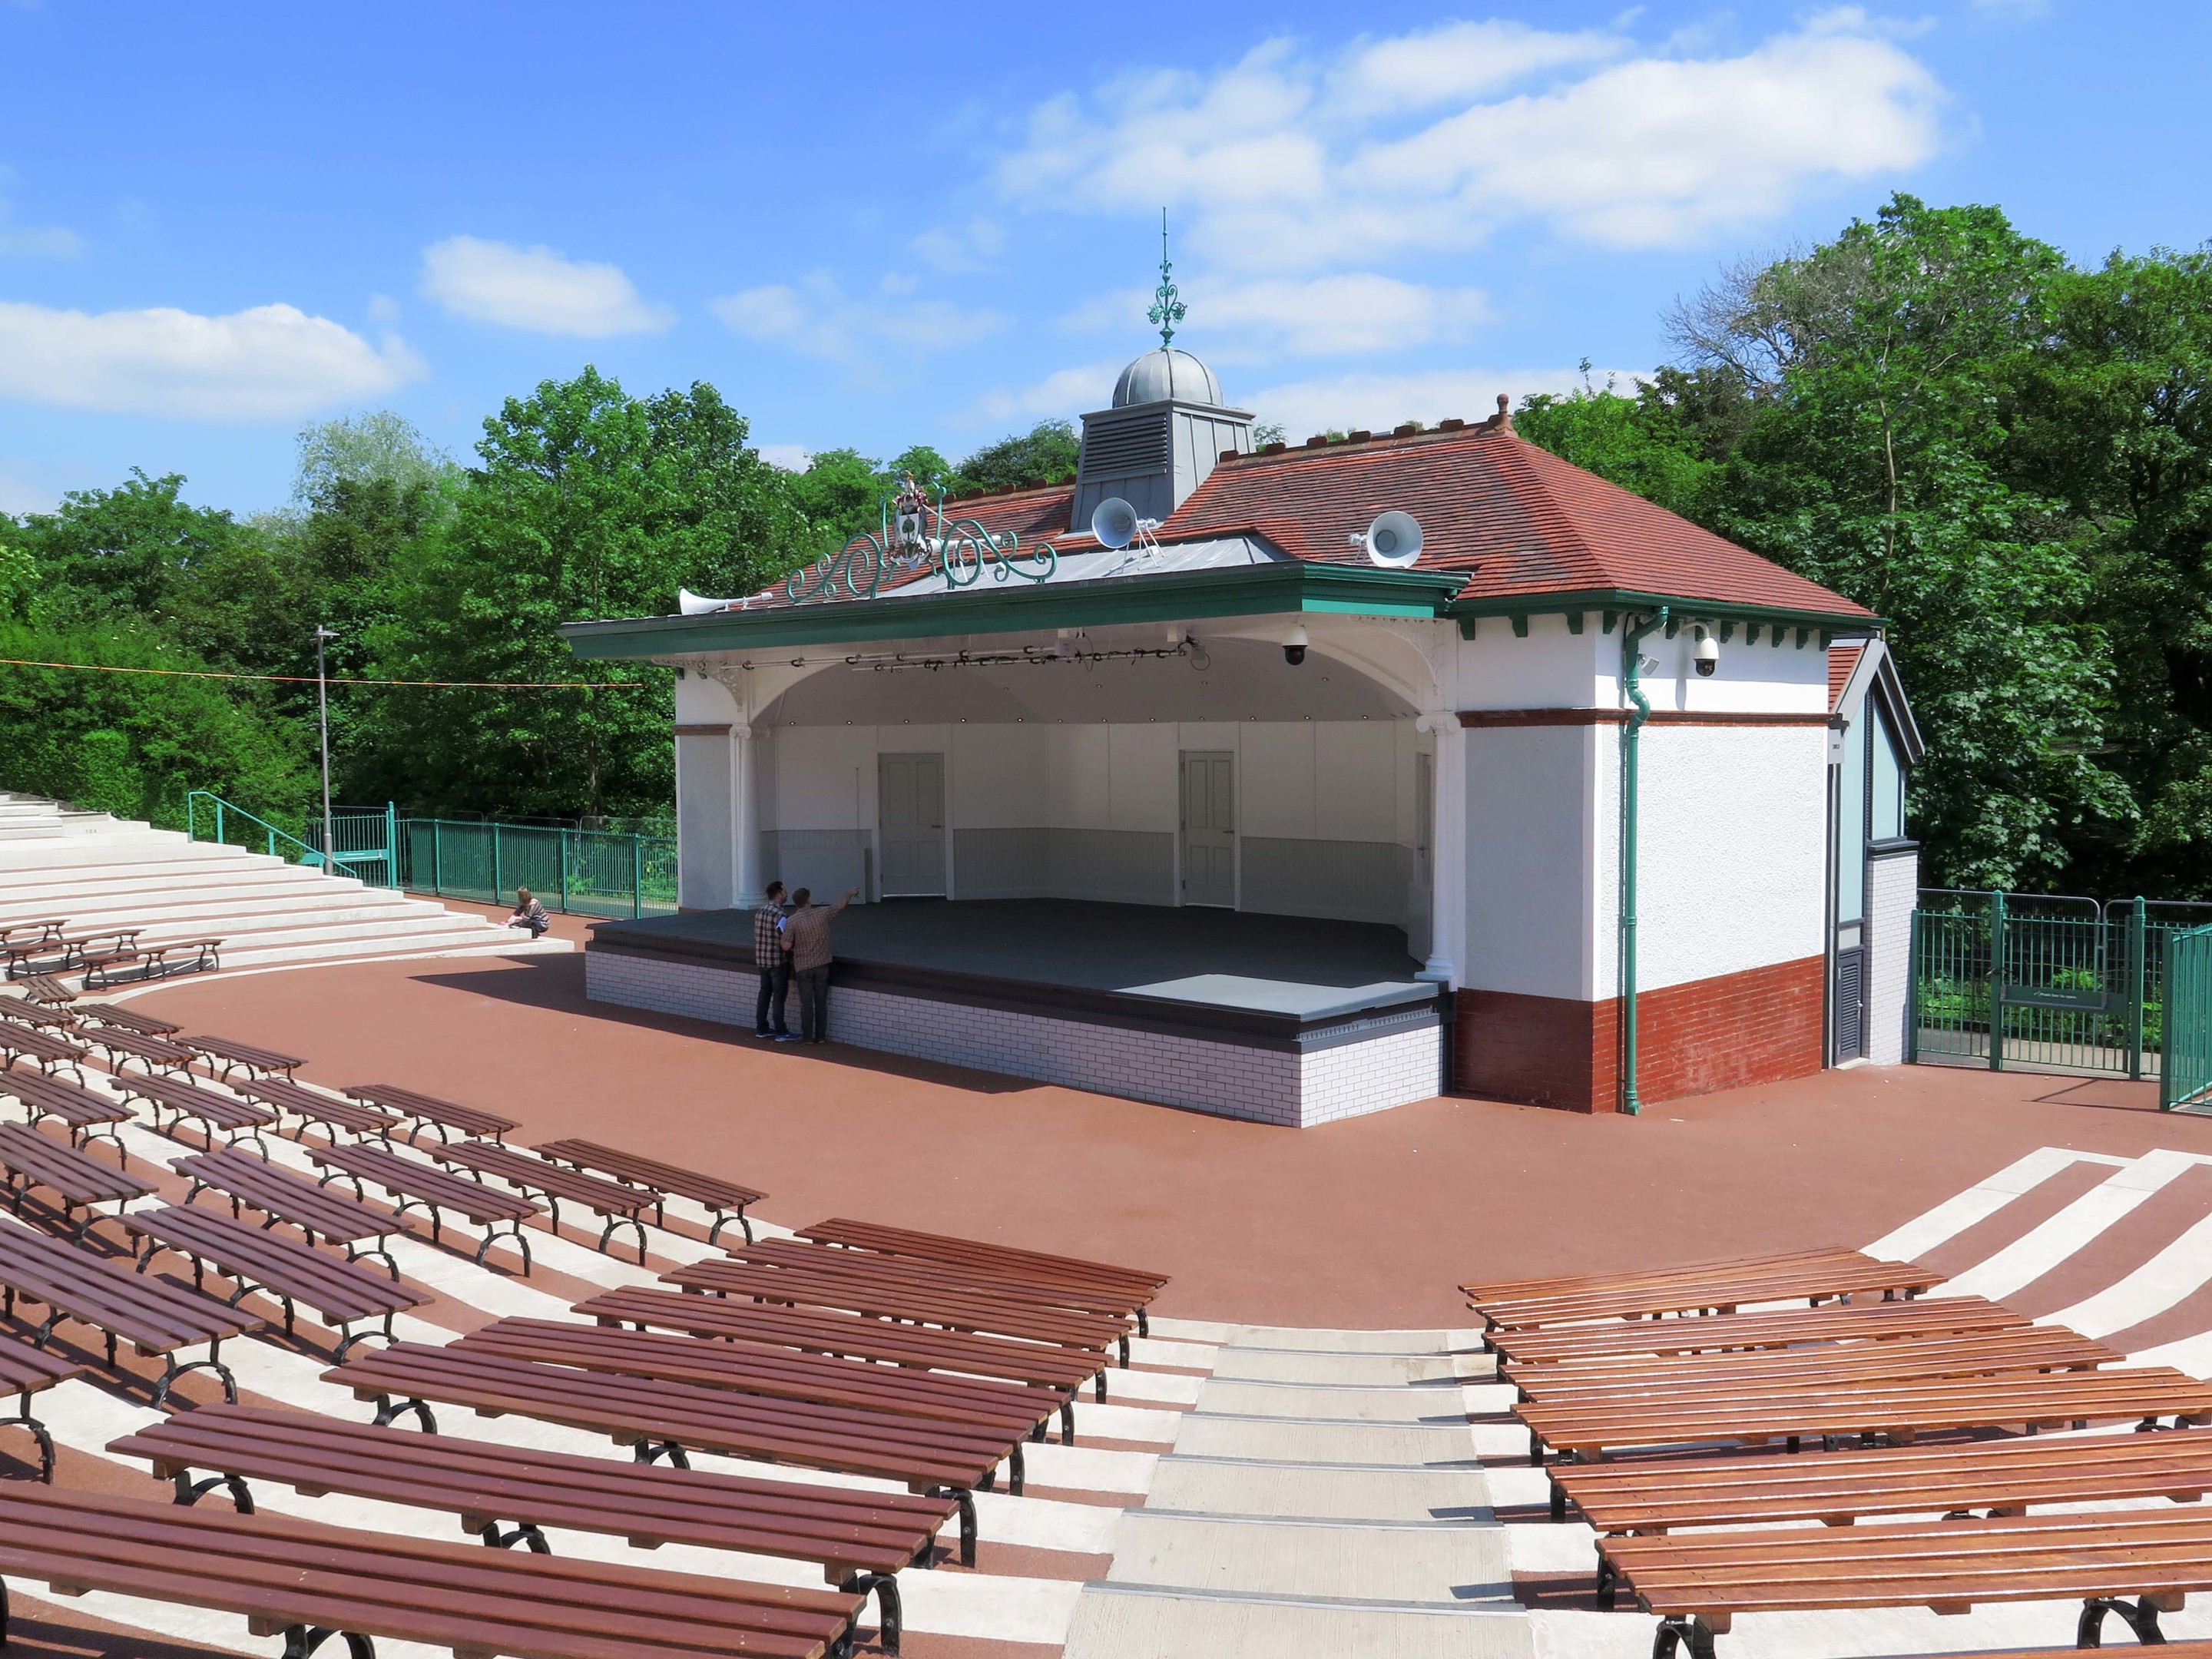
(119, 860)
(180, 911)
(217, 888)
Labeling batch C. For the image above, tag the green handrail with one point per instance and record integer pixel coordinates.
(223, 808)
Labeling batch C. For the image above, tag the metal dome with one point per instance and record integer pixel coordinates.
(1164, 374)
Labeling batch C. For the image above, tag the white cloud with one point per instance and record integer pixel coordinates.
(272, 362)
(537, 289)
(383, 308)
(818, 320)
(788, 458)
(1429, 141)
(36, 241)
(1332, 315)
(1063, 393)
(971, 248)
(1379, 401)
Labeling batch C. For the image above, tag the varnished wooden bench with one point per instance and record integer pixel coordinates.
(80, 1180)
(123, 1045)
(292, 1200)
(1631, 1341)
(86, 1116)
(1577, 1283)
(307, 1583)
(828, 1330)
(235, 1119)
(24, 1011)
(50, 1051)
(224, 1055)
(1587, 1431)
(815, 1275)
(994, 1408)
(24, 941)
(861, 1540)
(124, 1019)
(429, 1112)
(130, 963)
(616, 1205)
(154, 1318)
(339, 1290)
(309, 1105)
(661, 1419)
(417, 1185)
(47, 990)
(47, 948)
(2006, 1476)
(726, 1200)
(1069, 1281)
(1699, 1582)
(26, 1369)
(1712, 1287)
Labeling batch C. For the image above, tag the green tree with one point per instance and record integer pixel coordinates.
(1638, 442)
(1046, 455)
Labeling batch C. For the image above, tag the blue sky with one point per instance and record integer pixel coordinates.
(877, 226)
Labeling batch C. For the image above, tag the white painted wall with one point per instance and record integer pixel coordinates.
(997, 773)
(1531, 795)
(1551, 668)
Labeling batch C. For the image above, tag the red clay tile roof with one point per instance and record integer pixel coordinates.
(1842, 659)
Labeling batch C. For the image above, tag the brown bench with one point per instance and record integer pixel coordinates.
(292, 1200)
(48, 1050)
(314, 1106)
(827, 1330)
(24, 1011)
(1713, 1287)
(725, 1200)
(1634, 1339)
(620, 1205)
(236, 1119)
(123, 1045)
(784, 1374)
(1587, 1430)
(813, 1274)
(25, 1370)
(223, 1056)
(45, 988)
(307, 1583)
(130, 963)
(661, 1419)
(153, 1317)
(32, 1159)
(21, 940)
(861, 1540)
(429, 1112)
(88, 1116)
(124, 1019)
(1699, 1582)
(417, 1185)
(1837, 1488)
(1098, 1287)
(48, 947)
(339, 1290)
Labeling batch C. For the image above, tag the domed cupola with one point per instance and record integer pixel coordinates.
(1168, 425)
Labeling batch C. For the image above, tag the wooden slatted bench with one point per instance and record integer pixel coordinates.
(1712, 1288)
(339, 1290)
(313, 1106)
(124, 1019)
(122, 1045)
(619, 1206)
(1697, 1582)
(725, 1200)
(307, 1582)
(80, 1180)
(1901, 1410)
(429, 1112)
(131, 963)
(24, 1011)
(153, 1317)
(992, 1407)
(861, 1540)
(777, 1270)
(25, 1370)
(417, 1185)
(1576, 1284)
(827, 1330)
(237, 1119)
(50, 1051)
(88, 1116)
(53, 948)
(1725, 1376)
(24, 941)
(47, 990)
(1838, 1488)
(661, 1419)
(1096, 1285)
(1780, 1327)
(292, 1200)
(224, 1055)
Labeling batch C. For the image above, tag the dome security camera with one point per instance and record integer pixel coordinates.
(1705, 654)
(1294, 645)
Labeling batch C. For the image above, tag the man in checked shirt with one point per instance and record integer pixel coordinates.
(773, 963)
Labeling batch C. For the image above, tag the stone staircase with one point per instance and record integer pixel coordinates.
(100, 871)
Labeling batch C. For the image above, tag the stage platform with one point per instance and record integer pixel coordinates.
(1282, 1019)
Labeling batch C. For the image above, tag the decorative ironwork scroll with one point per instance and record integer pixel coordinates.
(959, 549)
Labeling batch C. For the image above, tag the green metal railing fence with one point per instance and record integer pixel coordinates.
(361, 842)
(586, 872)
(2185, 1082)
(2042, 982)
(208, 816)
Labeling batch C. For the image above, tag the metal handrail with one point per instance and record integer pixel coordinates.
(307, 855)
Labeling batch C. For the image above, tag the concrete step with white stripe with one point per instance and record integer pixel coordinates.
(184, 912)
(154, 876)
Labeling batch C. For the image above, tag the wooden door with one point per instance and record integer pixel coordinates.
(911, 821)
(1209, 830)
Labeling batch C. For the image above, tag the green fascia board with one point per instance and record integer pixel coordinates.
(1179, 596)
(1469, 612)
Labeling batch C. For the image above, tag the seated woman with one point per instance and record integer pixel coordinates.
(529, 913)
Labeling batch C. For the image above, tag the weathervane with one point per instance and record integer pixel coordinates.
(1167, 304)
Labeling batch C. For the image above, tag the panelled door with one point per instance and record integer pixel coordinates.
(911, 821)
(1209, 830)
(1850, 991)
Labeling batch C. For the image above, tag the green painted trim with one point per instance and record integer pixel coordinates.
(1612, 620)
(1751, 633)
(1244, 590)
(1728, 632)
(1674, 626)
(1574, 622)
(1691, 610)
(1521, 625)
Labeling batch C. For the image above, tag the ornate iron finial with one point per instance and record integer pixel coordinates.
(1167, 305)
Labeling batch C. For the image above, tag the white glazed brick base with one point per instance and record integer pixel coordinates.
(1264, 1085)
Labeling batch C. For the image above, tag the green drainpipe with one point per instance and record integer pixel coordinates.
(1631, 657)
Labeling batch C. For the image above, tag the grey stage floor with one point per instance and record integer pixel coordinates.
(1291, 964)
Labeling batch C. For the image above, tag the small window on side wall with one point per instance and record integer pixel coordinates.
(1889, 815)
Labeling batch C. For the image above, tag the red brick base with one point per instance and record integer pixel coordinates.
(1760, 1026)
